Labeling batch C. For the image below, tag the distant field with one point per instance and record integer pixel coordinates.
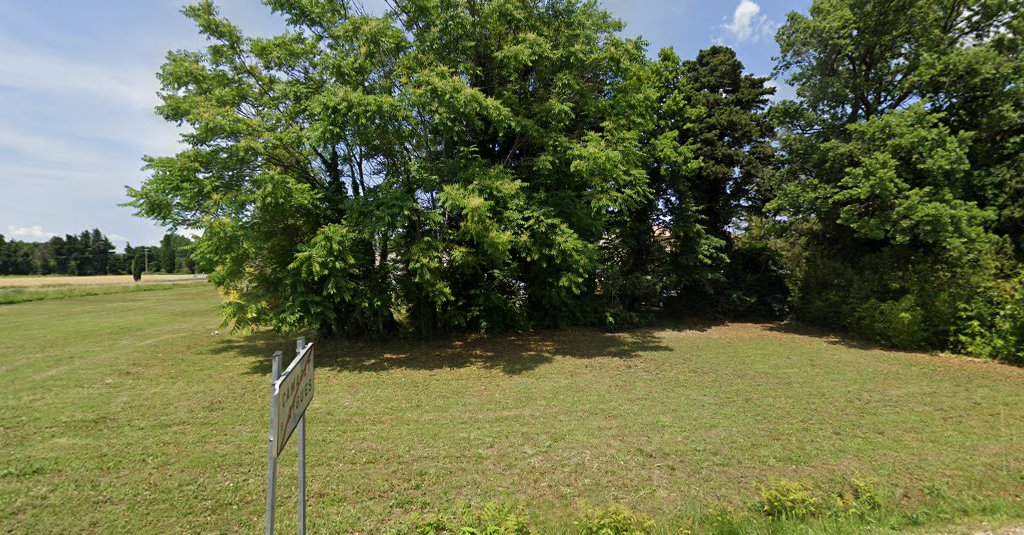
(19, 281)
(127, 413)
(19, 289)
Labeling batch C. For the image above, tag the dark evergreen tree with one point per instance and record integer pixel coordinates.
(167, 252)
(5, 256)
(100, 252)
(137, 265)
(730, 129)
(706, 108)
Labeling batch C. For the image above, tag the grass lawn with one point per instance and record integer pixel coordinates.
(10, 296)
(125, 414)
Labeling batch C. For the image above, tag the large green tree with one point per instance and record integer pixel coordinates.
(901, 185)
(449, 164)
(960, 59)
(718, 113)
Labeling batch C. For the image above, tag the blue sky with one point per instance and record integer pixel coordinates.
(77, 92)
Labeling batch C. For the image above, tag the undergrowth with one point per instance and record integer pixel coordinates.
(783, 507)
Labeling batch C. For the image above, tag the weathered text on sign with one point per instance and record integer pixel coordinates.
(292, 394)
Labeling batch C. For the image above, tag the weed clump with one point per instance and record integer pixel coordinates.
(615, 520)
(787, 500)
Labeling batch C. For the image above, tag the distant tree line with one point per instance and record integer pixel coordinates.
(92, 253)
(486, 165)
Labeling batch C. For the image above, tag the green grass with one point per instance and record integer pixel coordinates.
(10, 296)
(126, 414)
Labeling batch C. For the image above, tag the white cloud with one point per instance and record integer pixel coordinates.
(748, 24)
(35, 232)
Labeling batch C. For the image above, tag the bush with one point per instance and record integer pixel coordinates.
(900, 300)
(787, 500)
(756, 282)
(1002, 336)
(615, 520)
(897, 323)
(491, 519)
(1009, 331)
(857, 499)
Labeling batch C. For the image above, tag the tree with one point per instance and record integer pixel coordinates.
(727, 122)
(123, 261)
(167, 252)
(447, 165)
(137, 266)
(961, 60)
(100, 252)
(895, 189)
(22, 258)
(712, 109)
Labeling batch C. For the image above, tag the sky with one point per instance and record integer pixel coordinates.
(77, 92)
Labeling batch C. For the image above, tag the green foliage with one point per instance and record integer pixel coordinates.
(787, 500)
(87, 253)
(900, 323)
(710, 146)
(614, 520)
(896, 191)
(757, 281)
(859, 498)
(994, 325)
(494, 166)
(453, 165)
(137, 266)
(491, 519)
(1008, 335)
(167, 253)
(175, 254)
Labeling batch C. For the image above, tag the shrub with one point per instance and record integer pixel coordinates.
(615, 520)
(857, 499)
(1010, 329)
(898, 323)
(724, 521)
(491, 519)
(756, 282)
(1008, 335)
(495, 519)
(787, 500)
(1002, 337)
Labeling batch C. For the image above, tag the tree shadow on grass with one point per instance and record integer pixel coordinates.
(511, 354)
(831, 336)
(688, 324)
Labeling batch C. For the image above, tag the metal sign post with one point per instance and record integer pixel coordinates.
(300, 344)
(290, 394)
